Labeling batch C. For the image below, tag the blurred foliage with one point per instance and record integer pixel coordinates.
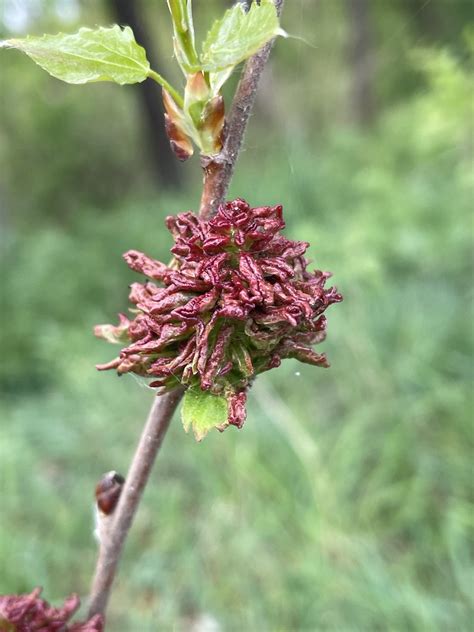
(344, 503)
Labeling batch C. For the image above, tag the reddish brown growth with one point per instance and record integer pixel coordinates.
(108, 490)
(235, 301)
(30, 613)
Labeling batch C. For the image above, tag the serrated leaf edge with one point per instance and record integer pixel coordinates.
(16, 43)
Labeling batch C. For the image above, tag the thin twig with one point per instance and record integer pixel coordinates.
(218, 170)
(110, 551)
(217, 175)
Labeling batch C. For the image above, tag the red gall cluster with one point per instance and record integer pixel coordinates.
(236, 300)
(30, 613)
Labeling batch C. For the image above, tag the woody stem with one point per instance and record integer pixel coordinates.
(219, 169)
(110, 550)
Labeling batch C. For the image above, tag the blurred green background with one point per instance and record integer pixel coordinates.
(344, 503)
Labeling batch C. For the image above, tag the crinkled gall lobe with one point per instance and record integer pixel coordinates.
(26, 613)
(236, 300)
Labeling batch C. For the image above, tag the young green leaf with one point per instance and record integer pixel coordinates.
(184, 45)
(202, 411)
(239, 35)
(218, 79)
(104, 54)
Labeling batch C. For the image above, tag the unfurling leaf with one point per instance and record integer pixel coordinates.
(196, 91)
(239, 35)
(104, 54)
(202, 411)
(177, 128)
(205, 114)
(212, 126)
(183, 40)
(218, 79)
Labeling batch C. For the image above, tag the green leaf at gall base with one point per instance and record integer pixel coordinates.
(239, 35)
(203, 411)
(6, 626)
(104, 54)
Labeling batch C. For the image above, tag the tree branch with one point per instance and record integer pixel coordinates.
(218, 172)
(110, 550)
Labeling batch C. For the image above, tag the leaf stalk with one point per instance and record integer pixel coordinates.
(152, 74)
